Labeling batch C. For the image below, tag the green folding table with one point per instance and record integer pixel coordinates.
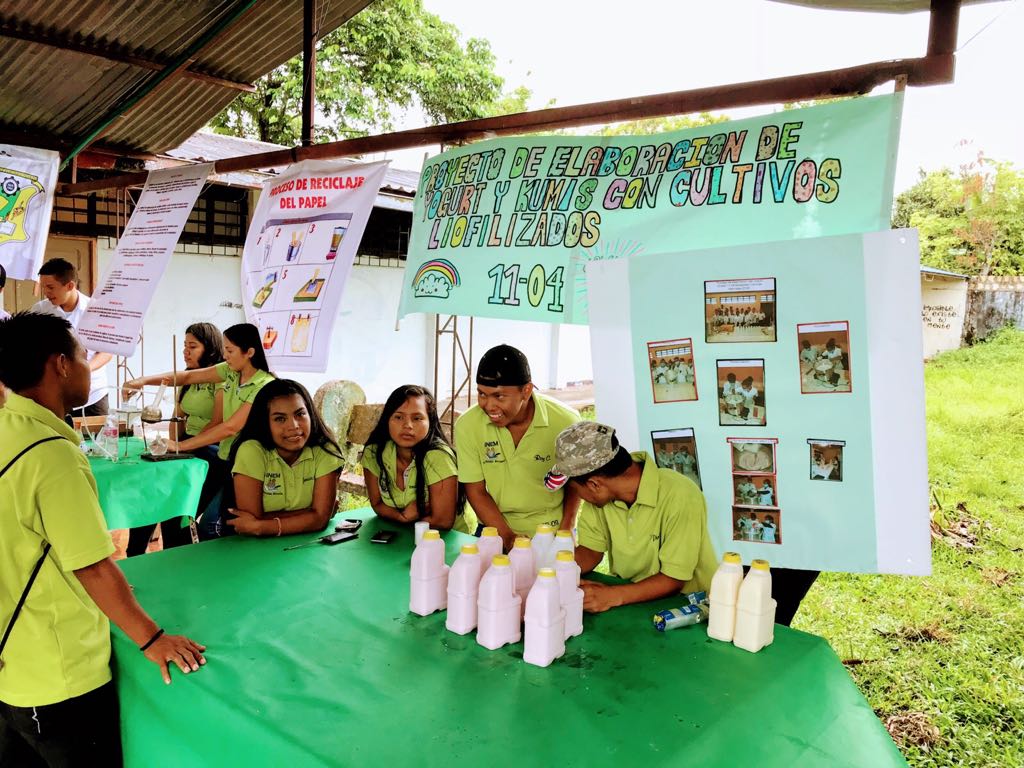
(314, 659)
(136, 492)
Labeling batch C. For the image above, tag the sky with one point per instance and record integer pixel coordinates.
(575, 52)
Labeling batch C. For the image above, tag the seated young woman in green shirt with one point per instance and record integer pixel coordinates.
(203, 348)
(409, 465)
(242, 374)
(285, 465)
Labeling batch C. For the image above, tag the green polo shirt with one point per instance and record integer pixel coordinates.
(285, 488)
(438, 465)
(664, 531)
(514, 475)
(197, 405)
(60, 645)
(235, 395)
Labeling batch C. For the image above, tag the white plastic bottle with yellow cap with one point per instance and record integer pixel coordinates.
(725, 589)
(498, 611)
(545, 621)
(571, 595)
(543, 547)
(755, 609)
(563, 543)
(489, 545)
(463, 589)
(524, 566)
(428, 576)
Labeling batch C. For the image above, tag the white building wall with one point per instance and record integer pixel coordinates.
(365, 346)
(943, 307)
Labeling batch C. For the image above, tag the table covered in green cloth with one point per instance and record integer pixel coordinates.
(134, 492)
(314, 659)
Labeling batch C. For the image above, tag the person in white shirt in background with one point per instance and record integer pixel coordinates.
(58, 280)
(4, 314)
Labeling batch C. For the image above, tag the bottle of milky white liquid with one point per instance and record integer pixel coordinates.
(463, 589)
(568, 574)
(498, 611)
(543, 545)
(755, 609)
(489, 545)
(563, 543)
(545, 621)
(725, 589)
(524, 567)
(428, 576)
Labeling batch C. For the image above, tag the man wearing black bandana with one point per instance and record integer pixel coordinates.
(505, 446)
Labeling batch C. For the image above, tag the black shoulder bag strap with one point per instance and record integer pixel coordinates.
(39, 562)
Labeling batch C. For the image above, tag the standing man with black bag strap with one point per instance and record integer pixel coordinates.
(59, 587)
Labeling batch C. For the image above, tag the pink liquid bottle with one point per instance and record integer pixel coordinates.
(570, 594)
(563, 543)
(428, 576)
(545, 621)
(463, 590)
(498, 604)
(489, 545)
(524, 566)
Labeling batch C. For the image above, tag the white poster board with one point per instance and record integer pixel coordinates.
(113, 320)
(301, 244)
(812, 455)
(27, 180)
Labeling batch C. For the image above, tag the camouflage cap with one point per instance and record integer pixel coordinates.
(584, 447)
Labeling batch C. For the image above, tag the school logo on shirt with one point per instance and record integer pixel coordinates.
(272, 484)
(491, 452)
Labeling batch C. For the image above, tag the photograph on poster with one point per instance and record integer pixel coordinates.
(753, 456)
(677, 449)
(739, 310)
(741, 393)
(754, 491)
(824, 350)
(756, 525)
(672, 374)
(826, 459)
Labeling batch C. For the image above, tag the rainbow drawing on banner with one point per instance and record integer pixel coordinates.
(435, 278)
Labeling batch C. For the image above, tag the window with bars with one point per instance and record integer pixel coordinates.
(219, 217)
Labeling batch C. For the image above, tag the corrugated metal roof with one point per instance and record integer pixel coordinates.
(881, 6)
(52, 92)
(396, 192)
(941, 272)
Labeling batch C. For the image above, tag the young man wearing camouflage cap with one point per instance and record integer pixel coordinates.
(652, 522)
(504, 446)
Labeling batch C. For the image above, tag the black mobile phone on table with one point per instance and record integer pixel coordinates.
(339, 537)
(383, 537)
(349, 524)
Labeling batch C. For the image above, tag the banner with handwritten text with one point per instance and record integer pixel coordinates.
(504, 228)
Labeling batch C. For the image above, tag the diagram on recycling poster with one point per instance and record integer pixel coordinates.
(808, 435)
(298, 253)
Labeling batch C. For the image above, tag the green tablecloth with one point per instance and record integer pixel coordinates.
(134, 492)
(314, 659)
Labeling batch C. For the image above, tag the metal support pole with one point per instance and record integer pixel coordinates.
(308, 70)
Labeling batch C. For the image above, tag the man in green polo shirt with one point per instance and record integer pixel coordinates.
(58, 705)
(652, 522)
(505, 445)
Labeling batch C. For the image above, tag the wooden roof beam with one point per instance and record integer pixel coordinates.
(861, 79)
(11, 30)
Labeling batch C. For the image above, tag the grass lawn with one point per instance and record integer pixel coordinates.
(941, 659)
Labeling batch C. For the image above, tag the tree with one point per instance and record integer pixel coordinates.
(650, 125)
(971, 221)
(392, 56)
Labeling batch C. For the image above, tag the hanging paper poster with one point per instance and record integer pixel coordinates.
(798, 466)
(113, 320)
(299, 250)
(27, 180)
(504, 228)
